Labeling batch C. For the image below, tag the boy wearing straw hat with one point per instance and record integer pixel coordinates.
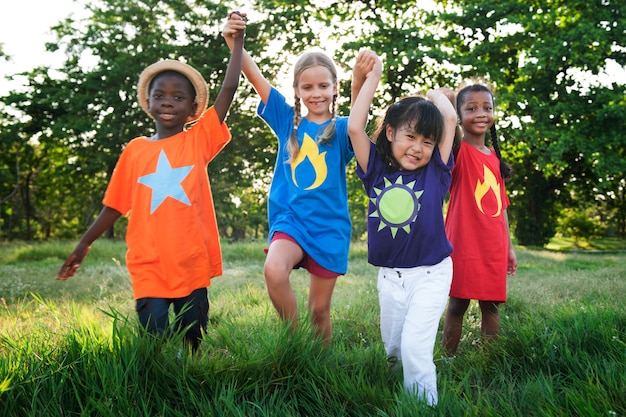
(172, 237)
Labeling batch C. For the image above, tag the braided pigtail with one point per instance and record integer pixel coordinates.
(329, 131)
(292, 146)
(505, 169)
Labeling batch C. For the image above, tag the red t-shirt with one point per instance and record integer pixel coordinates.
(163, 186)
(476, 227)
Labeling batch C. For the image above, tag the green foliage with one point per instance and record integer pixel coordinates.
(559, 119)
(581, 224)
(542, 58)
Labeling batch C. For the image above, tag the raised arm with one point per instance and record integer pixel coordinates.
(233, 72)
(442, 98)
(458, 132)
(249, 67)
(362, 67)
(366, 75)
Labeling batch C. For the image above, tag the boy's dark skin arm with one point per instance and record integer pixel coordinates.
(231, 79)
(105, 220)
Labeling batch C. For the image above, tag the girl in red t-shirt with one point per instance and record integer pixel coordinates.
(476, 222)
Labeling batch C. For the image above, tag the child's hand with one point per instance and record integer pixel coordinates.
(450, 94)
(367, 64)
(72, 263)
(511, 268)
(235, 26)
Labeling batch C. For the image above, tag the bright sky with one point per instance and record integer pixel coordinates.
(24, 31)
(26, 28)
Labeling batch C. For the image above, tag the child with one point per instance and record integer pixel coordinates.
(406, 174)
(309, 224)
(476, 222)
(162, 183)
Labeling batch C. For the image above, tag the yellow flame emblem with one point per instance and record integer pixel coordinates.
(482, 188)
(310, 150)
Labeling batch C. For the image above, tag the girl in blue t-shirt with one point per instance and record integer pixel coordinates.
(309, 224)
(406, 174)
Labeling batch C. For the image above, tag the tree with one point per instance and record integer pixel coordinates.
(544, 58)
(83, 119)
(559, 125)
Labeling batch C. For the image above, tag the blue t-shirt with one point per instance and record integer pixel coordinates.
(405, 226)
(308, 197)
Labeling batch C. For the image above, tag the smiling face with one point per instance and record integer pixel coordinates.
(411, 150)
(316, 88)
(476, 113)
(171, 102)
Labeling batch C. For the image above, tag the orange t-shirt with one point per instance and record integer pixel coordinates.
(163, 186)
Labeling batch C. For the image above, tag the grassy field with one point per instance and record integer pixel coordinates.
(70, 348)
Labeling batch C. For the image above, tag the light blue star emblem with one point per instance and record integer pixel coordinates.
(165, 182)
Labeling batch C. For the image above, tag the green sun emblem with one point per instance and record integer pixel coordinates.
(396, 206)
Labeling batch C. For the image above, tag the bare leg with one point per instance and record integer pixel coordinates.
(320, 294)
(490, 325)
(453, 324)
(281, 258)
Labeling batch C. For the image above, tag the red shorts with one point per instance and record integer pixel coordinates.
(306, 262)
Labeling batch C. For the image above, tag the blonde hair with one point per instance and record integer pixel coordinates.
(306, 61)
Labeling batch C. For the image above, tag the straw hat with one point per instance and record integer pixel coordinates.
(196, 79)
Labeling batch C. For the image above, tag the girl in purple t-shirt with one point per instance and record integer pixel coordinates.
(406, 174)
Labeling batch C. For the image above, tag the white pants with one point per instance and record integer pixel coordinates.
(412, 301)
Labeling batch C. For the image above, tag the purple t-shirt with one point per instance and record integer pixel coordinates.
(405, 225)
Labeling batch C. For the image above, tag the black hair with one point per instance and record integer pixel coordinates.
(416, 112)
(505, 169)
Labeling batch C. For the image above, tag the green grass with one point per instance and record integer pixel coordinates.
(70, 348)
(567, 244)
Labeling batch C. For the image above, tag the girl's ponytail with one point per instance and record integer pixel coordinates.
(505, 169)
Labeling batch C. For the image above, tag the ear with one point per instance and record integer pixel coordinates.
(336, 88)
(389, 132)
(295, 92)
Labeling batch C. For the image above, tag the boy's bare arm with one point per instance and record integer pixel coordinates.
(105, 220)
(250, 69)
(231, 79)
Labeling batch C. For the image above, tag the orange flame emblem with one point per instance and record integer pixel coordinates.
(482, 188)
(310, 151)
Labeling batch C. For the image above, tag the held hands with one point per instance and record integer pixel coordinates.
(367, 64)
(235, 26)
(73, 262)
(444, 98)
(450, 94)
